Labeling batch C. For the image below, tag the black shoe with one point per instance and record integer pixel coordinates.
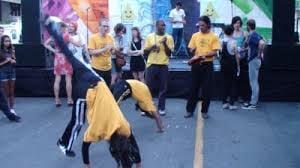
(188, 115)
(14, 118)
(205, 115)
(70, 153)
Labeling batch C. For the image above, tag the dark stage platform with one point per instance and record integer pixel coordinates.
(276, 84)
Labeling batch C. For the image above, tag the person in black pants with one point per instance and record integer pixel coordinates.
(5, 109)
(88, 79)
(205, 45)
(85, 78)
(230, 68)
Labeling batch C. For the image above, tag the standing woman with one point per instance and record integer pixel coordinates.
(8, 70)
(136, 51)
(116, 71)
(61, 67)
(243, 88)
(76, 44)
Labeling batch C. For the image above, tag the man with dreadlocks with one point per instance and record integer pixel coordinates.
(106, 121)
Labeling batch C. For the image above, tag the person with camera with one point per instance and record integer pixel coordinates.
(205, 45)
(158, 47)
(118, 56)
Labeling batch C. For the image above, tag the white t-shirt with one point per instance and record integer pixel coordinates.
(231, 44)
(77, 51)
(177, 15)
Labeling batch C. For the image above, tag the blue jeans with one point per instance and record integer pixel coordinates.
(254, 66)
(177, 36)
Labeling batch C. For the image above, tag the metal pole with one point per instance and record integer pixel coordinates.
(87, 26)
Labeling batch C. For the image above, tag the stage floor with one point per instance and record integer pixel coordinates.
(263, 138)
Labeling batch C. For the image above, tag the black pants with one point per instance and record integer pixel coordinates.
(157, 79)
(229, 73)
(73, 128)
(106, 75)
(243, 86)
(126, 160)
(201, 79)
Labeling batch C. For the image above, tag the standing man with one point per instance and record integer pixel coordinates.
(255, 45)
(101, 46)
(205, 44)
(158, 47)
(177, 16)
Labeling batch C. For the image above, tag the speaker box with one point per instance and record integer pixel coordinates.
(30, 55)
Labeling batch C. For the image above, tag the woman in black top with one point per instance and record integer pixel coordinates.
(136, 51)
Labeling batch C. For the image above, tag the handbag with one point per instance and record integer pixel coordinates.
(120, 58)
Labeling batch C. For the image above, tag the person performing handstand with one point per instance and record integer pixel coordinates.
(139, 92)
(106, 121)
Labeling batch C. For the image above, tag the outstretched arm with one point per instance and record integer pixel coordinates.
(85, 154)
(158, 122)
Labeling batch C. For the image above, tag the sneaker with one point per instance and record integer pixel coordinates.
(15, 118)
(70, 153)
(61, 147)
(225, 106)
(188, 115)
(246, 104)
(162, 112)
(13, 111)
(232, 107)
(249, 107)
(204, 115)
(143, 113)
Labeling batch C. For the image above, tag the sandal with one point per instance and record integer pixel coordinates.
(70, 102)
(57, 103)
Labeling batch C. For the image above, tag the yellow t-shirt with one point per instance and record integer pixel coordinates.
(204, 43)
(141, 93)
(158, 58)
(102, 61)
(103, 115)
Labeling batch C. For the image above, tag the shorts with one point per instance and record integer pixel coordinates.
(7, 73)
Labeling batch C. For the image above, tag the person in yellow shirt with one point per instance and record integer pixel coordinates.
(205, 45)
(105, 119)
(107, 122)
(158, 47)
(140, 92)
(101, 46)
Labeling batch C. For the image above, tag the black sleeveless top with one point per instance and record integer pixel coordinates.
(137, 44)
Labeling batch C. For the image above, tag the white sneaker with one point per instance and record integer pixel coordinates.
(231, 107)
(13, 111)
(143, 113)
(225, 106)
(61, 147)
(162, 112)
